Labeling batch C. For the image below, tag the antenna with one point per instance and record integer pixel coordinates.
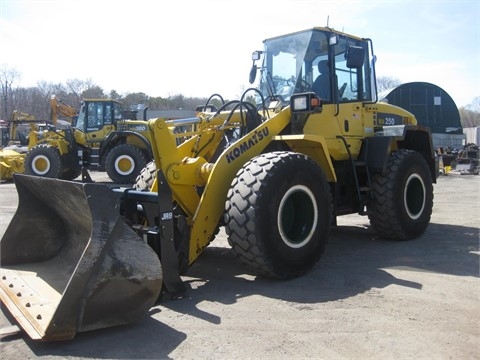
(328, 20)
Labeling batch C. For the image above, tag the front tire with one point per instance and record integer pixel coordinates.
(124, 162)
(44, 160)
(145, 179)
(278, 214)
(402, 198)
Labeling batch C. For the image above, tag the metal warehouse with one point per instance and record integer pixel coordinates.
(433, 107)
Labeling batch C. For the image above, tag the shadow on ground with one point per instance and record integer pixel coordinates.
(354, 262)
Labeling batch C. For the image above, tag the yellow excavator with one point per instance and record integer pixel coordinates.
(275, 171)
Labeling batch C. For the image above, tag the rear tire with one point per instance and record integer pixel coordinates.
(124, 163)
(44, 160)
(402, 198)
(278, 214)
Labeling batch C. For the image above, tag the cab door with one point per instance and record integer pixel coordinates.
(350, 88)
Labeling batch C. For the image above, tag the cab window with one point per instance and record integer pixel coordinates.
(352, 82)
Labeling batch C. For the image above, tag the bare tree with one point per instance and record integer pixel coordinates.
(470, 114)
(475, 105)
(114, 95)
(93, 92)
(386, 83)
(8, 76)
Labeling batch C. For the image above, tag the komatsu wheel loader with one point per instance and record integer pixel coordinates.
(275, 171)
(99, 138)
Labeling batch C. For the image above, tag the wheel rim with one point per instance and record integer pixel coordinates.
(41, 164)
(124, 165)
(297, 216)
(414, 196)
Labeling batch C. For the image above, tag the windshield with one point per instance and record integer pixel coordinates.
(80, 123)
(290, 63)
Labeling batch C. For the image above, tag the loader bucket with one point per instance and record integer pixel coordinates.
(69, 263)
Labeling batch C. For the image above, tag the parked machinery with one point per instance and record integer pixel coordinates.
(99, 138)
(96, 137)
(467, 161)
(18, 134)
(275, 174)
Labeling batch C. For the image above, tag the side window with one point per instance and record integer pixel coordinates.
(108, 114)
(95, 116)
(99, 115)
(353, 82)
(92, 115)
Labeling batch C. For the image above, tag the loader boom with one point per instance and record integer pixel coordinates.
(185, 173)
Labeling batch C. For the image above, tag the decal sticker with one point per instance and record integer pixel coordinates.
(247, 144)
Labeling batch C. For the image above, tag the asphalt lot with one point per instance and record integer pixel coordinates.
(367, 298)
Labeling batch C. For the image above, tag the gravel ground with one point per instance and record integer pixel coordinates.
(367, 298)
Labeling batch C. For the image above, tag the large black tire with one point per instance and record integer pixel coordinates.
(44, 160)
(278, 213)
(402, 198)
(145, 179)
(124, 163)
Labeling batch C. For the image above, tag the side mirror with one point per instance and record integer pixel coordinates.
(256, 55)
(253, 74)
(355, 56)
(253, 70)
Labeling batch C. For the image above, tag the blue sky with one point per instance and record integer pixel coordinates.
(198, 48)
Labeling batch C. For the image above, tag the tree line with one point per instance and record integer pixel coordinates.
(36, 100)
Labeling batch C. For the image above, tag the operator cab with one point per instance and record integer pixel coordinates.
(337, 67)
(94, 115)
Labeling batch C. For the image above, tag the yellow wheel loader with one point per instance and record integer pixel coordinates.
(99, 138)
(275, 171)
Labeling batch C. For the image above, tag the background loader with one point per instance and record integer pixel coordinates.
(99, 138)
(95, 137)
(275, 173)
